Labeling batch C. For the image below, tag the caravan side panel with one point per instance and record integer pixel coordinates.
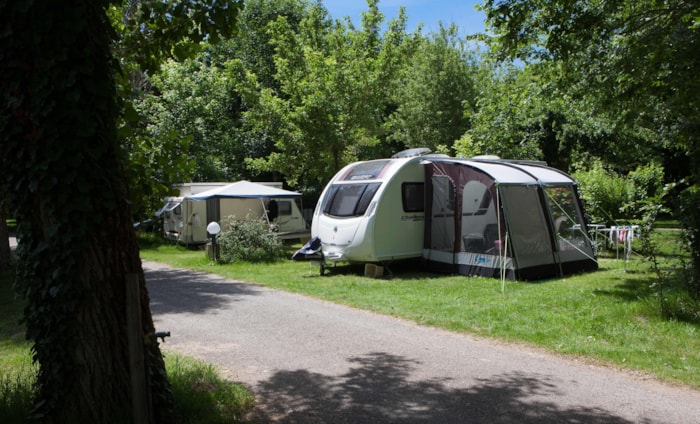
(485, 265)
(399, 217)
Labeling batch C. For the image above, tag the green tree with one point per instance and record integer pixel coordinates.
(330, 106)
(64, 181)
(188, 124)
(195, 100)
(253, 45)
(433, 93)
(522, 114)
(508, 100)
(156, 156)
(150, 31)
(147, 34)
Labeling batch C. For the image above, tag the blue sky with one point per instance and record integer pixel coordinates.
(429, 12)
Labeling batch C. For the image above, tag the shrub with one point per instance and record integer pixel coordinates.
(644, 187)
(603, 192)
(250, 240)
(609, 196)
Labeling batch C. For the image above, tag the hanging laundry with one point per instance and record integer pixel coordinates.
(622, 235)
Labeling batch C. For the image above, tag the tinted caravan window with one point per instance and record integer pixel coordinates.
(284, 207)
(366, 171)
(348, 200)
(412, 197)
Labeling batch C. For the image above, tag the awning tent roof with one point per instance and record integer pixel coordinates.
(505, 172)
(244, 190)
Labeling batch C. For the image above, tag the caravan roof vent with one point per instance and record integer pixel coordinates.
(486, 157)
(419, 151)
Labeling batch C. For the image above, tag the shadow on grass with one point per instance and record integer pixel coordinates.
(676, 304)
(378, 390)
(177, 290)
(631, 289)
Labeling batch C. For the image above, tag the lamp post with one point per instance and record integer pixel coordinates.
(213, 228)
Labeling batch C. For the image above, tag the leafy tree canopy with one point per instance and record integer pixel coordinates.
(150, 31)
(634, 60)
(434, 92)
(330, 105)
(147, 34)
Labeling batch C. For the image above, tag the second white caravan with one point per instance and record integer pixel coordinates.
(185, 218)
(373, 211)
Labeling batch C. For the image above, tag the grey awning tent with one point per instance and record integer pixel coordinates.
(244, 190)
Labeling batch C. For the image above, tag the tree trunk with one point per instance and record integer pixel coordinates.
(63, 175)
(101, 351)
(5, 252)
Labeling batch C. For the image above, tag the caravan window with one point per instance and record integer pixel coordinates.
(284, 207)
(348, 200)
(366, 171)
(412, 197)
(476, 198)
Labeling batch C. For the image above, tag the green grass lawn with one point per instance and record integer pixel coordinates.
(14, 349)
(16, 369)
(609, 317)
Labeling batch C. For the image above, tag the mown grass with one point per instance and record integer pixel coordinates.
(14, 349)
(16, 369)
(200, 394)
(609, 317)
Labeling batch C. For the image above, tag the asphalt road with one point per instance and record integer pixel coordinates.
(310, 361)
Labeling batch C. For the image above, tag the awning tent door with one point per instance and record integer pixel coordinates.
(528, 230)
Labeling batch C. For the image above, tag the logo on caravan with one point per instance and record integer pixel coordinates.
(414, 218)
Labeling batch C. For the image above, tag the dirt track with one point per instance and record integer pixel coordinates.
(310, 361)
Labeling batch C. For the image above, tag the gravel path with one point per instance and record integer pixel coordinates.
(310, 361)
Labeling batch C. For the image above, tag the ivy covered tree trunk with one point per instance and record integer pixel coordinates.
(5, 252)
(63, 180)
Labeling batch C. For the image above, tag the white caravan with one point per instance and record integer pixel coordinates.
(186, 216)
(373, 211)
(480, 216)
